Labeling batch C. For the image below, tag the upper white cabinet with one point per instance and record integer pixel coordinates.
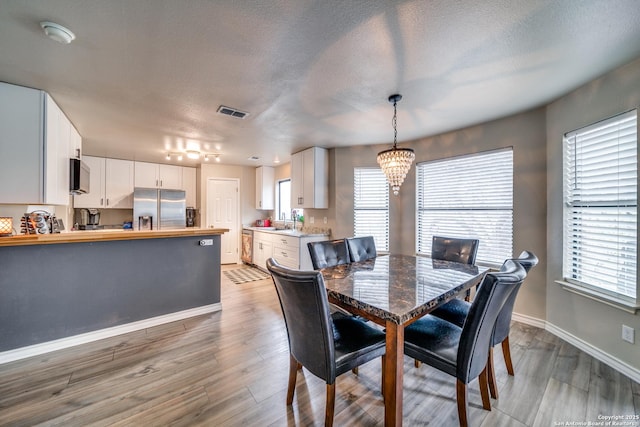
(110, 184)
(154, 175)
(310, 179)
(34, 147)
(189, 185)
(265, 187)
(75, 144)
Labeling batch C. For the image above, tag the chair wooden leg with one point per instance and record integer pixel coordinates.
(467, 296)
(382, 385)
(355, 371)
(417, 363)
(293, 372)
(484, 389)
(299, 366)
(331, 401)
(506, 351)
(461, 397)
(491, 373)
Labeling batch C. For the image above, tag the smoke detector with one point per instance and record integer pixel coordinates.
(57, 32)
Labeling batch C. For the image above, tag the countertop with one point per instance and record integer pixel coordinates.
(294, 233)
(104, 235)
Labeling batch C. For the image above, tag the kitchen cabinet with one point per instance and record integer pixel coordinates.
(155, 175)
(75, 144)
(292, 251)
(265, 187)
(262, 249)
(34, 147)
(189, 185)
(110, 184)
(310, 179)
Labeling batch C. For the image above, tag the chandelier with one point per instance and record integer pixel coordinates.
(395, 162)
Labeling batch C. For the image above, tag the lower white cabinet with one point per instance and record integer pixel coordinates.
(262, 249)
(289, 251)
(110, 184)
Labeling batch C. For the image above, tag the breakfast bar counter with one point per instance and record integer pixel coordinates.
(104, 235)
(63, 289)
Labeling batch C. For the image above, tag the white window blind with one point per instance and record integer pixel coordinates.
(371, 206)
(468, 197)
(600, 211)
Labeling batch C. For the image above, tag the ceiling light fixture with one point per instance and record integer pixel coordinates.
(396, 162)
(193, 155)
(57, 32)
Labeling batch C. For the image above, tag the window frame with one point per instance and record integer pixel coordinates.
(382, 243)
(583, 202)
(499, 208)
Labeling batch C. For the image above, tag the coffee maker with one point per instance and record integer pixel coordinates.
(89, 219)
(191, 217)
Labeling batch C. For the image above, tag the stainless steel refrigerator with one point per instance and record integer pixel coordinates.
(156, 209)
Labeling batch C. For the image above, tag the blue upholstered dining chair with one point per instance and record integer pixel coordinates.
(327, 345)
(361, 248)
(456, 311)
(462, 351)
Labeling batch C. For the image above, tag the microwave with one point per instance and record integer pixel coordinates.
(79, 177)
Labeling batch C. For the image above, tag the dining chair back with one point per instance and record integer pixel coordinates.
(325, 345)
(454, 249)
(361, 248)
(328, 253)
(462, 352)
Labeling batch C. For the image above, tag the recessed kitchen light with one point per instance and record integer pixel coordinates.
(57, 32)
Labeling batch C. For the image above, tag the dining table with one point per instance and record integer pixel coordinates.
(394, 291)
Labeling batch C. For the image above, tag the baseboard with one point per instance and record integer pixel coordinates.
(528, 320)
(617, 364)
(62, 343)
(596, 353)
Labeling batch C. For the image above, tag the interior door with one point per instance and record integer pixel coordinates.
(222, 212)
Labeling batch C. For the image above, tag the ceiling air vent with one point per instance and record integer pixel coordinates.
(228, 111)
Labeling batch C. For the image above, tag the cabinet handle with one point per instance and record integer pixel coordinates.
(156, 183)
(107, 202)
(78, 153)
(260, 204)
(284, 254)
(101, 201)
(160, 183)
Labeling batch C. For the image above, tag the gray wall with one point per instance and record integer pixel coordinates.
(54, 291)
(524, 132)
(594, 322)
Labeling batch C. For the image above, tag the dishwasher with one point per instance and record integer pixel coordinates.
(247, 246)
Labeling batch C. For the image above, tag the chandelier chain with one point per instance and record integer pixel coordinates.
(394, 122)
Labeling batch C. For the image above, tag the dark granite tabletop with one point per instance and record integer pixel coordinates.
(399, 288)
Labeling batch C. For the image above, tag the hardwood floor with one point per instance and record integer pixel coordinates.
(230, 369)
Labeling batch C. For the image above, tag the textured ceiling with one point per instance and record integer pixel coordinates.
(147, 76)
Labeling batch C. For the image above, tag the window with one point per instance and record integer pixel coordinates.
(371, 206)
(468, 197)
(283, 200)
(600, 206)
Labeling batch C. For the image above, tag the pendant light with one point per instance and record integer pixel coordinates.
(396, 162)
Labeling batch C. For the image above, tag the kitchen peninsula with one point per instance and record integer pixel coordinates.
(58, 290)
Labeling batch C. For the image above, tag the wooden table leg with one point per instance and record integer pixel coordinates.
(393, 370)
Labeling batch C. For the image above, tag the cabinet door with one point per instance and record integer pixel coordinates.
(146, 175)
(297, 180)
(119, 177)
(170, 177)
(75, 144)
(95, 198)
(58, 131)
(264, 188)
(189, 185)
(21, 144)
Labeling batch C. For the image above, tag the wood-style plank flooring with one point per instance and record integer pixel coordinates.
(230, 369)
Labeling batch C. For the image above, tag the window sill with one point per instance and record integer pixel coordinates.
(627, 306)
